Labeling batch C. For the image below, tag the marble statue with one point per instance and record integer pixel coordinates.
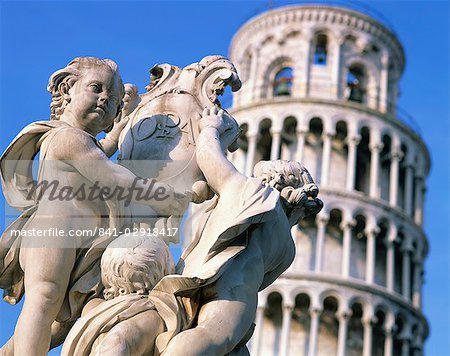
(233, 256)
(120, 294)
(57, 274)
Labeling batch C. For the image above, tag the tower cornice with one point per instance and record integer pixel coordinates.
(319, 14)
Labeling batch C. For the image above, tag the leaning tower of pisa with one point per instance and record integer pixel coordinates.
(320, 85)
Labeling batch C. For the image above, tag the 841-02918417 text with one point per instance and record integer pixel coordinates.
(165, 231)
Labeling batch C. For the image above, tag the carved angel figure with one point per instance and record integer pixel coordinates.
(60, 273)
(128, 320)
(241, 237)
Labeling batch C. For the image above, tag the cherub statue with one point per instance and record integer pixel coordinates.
(60, 275)
(126, 322)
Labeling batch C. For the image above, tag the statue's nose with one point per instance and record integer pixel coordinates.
(103, 99)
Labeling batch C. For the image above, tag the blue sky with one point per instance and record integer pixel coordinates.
(37, 38)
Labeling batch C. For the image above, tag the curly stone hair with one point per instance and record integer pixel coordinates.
(62, 80)
(134, 264)
(293, 181)
(280, 174)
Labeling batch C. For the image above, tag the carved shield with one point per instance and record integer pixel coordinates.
(160, 138)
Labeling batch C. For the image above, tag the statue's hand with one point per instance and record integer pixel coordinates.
(131, 99)
(214, 118)
(111, 141)
(120, 124)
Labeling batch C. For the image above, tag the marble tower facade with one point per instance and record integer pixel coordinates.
(320, 85)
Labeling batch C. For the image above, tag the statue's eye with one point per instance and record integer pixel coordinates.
(95, 87)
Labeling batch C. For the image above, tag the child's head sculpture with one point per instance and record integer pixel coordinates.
(88, 93)
(134, 264)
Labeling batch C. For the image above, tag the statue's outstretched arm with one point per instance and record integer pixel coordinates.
(216, 135)
(92, 163)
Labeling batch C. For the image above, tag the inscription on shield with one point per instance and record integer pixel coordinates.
(160, 126)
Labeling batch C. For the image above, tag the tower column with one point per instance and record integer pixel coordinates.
(390, 265)
(259, 320)
(367, 338)
(286, 329)
(409, 189)
(335, 82)
(326, 153)
(405, 338)
(375, 149)
(342, 334)
(346, 247)
(417, 341)
(393, 179)
(390, 258)
(384, 82)
(370, 256)
(320, 240)
(405, 347)
(406, 270)
(314, 331)
(388, 342)
(301, 135)
(418, 208)
(352, 143)
(417, 287)
(306, 66)
(276, 141)
(251, 153)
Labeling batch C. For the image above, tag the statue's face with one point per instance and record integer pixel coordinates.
(94, 99)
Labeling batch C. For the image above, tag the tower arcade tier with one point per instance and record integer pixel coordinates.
(320, 86)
